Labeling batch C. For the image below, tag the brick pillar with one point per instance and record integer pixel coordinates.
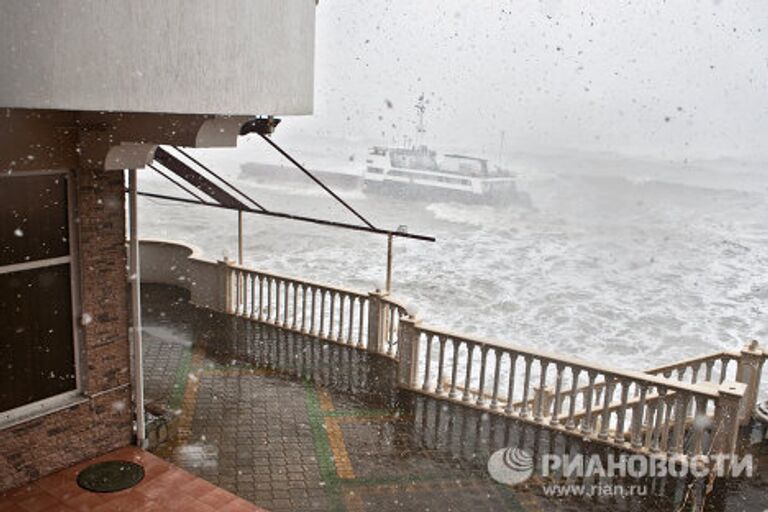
(104, 280)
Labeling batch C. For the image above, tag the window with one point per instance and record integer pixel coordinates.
(38, 356)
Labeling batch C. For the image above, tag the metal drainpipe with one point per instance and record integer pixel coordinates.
(135, 270)
(388, 284)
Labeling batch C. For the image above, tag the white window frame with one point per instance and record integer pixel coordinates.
(68, 398)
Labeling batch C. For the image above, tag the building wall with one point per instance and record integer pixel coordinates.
(100, 420)
(226, 57)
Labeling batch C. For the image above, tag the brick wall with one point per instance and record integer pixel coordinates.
(100, 422)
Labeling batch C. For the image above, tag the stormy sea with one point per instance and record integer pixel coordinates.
(628, 262)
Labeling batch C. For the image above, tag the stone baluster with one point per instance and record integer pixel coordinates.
(342, 306)
(481, 387)
(638, 414)
(313, 313)
(524, 408)
(586, 424)
(497, 354)
(278, 301)
(681, 410)
(427, 362)
(468, 375)
(361, 322)
(440, 365)
(456, 345)
(511, 384)
(238, 286)
(350, 328)
(321, 328)
(570, 423)
(605, 418)
(332, 316)
(709, 366)
(621, 416)
(304, 308)
(254, 303)
(294, 313)
(557, 404)
(538, 415)
(723, 369)
(392, 328)
(661, 425)
(261, 298)
(286, 286)
(699, 425)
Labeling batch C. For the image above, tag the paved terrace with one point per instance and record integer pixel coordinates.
(287, 444)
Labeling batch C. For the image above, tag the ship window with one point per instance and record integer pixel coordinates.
(464, 165)
(413, 159)
(378, 150)
(37, 339)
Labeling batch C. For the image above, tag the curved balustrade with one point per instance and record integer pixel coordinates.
(326, 312)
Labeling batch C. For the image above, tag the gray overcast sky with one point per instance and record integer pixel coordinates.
(680, 79)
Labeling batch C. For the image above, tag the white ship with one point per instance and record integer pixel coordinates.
(417, 171)
(420, 172)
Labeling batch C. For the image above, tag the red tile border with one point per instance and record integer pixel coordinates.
(165, 488)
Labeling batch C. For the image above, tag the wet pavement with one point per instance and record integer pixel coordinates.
(288, 444)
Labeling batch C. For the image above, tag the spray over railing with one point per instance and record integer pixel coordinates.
(629, 410)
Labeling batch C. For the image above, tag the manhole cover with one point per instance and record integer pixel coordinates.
(110, 476)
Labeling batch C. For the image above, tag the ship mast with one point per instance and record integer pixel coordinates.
(421, 107)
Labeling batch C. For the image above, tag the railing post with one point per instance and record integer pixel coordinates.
(409, 353)
(376, 322)
(726, 426)
(225, 298)
(750, 368)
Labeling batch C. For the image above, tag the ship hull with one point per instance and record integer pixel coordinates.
(419, 192)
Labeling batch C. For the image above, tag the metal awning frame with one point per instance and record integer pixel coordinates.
(258, 209)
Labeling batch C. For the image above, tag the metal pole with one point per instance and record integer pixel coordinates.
(389, 263)
(301, 218)
(240, 237)
(135, 269)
